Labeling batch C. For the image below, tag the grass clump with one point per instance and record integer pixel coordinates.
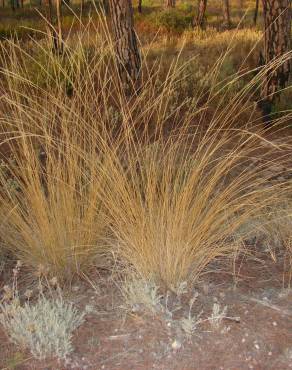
(160, 182)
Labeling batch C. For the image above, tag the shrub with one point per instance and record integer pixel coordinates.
(174, 20)
(45, 328)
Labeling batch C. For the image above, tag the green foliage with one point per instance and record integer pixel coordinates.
(174, 20)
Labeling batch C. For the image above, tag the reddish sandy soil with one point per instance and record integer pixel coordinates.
(258, 335)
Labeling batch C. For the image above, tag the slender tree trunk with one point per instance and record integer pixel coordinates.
(81, 7)
(170, 4)
(140, 6)
(256, 12)
(17, 4)
(226, 14)
(200, 20)
(277, 42)
(12, 3)
(126, 46)
(54, 31)
(21, 3)
(59, 47)
(3, 3)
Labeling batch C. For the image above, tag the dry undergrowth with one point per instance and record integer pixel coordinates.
(94, 173)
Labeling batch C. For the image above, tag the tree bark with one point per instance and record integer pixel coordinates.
(226, 14)
(54, 30)
(277, 42)
(200, 20)
(126, 45)
(256, 12)
(59, 46)
(170, 4)
(140, 6)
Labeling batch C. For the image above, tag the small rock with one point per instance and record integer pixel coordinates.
(89, 308)
(176, 344)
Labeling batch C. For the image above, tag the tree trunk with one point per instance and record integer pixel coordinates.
(140, 6)
(256, 12)
(200, 20)
(12, 3)
(226, 14)
(277, 42)
(125, 41)
(59, 46)
(54, 33)
(170, 4)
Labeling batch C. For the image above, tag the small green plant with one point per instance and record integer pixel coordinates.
(217, 315)
(190, 323)
(174, 20)
(141, 295)
(44, 327)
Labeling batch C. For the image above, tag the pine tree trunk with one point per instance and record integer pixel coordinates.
(226, 14)
(170, 4)
(200, 20)
(277, 42)
(125, 40)
(256, 12)
(140, 6)
(59, 46)
(54, 31)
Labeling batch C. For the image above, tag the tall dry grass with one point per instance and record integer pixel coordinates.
(161, 184)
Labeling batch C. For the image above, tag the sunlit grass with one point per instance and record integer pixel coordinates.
(159, 181)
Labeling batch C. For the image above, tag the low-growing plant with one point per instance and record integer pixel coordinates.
(45, 326)
(217, 315)
(190, 323)
(141, 295)
(174, 20)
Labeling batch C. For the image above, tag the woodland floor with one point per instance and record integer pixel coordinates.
(258, 335)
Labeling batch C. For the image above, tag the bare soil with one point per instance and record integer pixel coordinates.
(256, 335)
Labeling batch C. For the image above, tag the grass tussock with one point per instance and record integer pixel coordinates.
(161, 183)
